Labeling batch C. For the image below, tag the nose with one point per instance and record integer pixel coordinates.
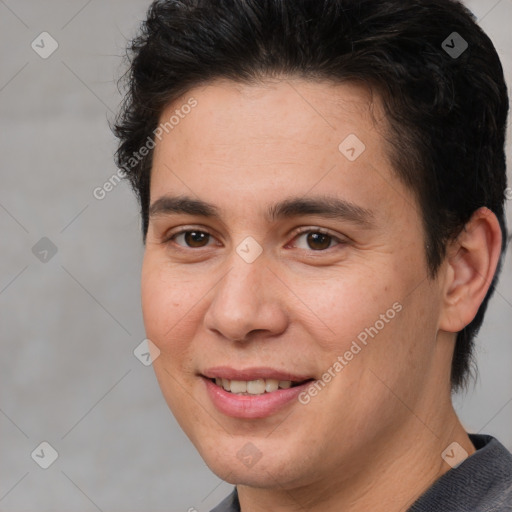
(248, 300)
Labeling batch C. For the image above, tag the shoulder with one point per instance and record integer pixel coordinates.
(482, 483)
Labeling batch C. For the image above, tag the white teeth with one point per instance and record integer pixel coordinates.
(253, 387)
(238, 386)
(271, 385)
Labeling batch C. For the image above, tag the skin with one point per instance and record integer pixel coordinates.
(373, 437)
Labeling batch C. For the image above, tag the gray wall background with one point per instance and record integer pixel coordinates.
(69, 325)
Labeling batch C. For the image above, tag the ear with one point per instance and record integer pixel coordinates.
(471, 263)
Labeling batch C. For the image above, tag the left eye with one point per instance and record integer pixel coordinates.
(317, 240)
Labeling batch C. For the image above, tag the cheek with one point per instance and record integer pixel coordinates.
(169, 323)
(375, 320)
(167, 305)
(337, 310)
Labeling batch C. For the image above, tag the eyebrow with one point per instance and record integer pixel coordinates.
(324, 206)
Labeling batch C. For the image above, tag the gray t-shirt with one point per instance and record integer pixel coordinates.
(482, 483)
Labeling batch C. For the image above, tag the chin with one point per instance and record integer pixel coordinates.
(258, 477)
(236, 466)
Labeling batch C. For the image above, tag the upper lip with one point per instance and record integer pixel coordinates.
(254, 373)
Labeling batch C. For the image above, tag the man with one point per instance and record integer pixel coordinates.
(321, 186)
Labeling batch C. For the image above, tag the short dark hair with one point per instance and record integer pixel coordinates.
(446, 112)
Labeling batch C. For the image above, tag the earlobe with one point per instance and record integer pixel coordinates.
(472, 259)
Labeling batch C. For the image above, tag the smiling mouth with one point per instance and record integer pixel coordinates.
(255, 387)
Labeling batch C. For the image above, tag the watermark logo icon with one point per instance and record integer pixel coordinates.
(146, 352)
(454, 455)
(44, 250)
(249, 454)
(249, 250)
(44, 455)
(352, 147)
(454, 45)
(44, 45)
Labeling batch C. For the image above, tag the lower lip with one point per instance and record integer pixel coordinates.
(255, 406)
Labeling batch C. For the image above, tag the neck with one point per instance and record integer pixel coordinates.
(403, 465)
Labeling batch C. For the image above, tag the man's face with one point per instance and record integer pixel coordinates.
(341, 298)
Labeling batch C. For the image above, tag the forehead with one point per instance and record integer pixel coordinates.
(287, 107)
(243, 144)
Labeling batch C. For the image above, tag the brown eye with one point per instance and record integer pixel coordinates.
(315, 240)
(318, 241)
(193, 239)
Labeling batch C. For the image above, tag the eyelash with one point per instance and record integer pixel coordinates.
(321, 231)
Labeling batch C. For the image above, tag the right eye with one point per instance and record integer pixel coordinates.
(192, 238)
